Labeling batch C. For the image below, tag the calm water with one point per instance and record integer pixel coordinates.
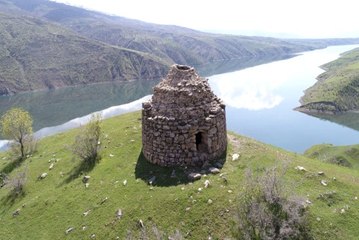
(259, 101)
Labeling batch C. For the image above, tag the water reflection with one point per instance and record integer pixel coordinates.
(251, 89)
(106, 113)
(260, 102)
(227, 66)
(268, 85)
(255, 88)
(349, 119)
(51, 108)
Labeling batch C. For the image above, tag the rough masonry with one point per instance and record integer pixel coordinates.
(184, 124)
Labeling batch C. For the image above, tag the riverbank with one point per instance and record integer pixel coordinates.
(337, 89)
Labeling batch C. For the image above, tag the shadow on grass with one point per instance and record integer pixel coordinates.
(12, 165)
(12, 196)
(81, 169)
(169, 176)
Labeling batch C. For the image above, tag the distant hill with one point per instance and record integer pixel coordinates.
(110, 48)
(337, 89)
(35, 54)
(171, 43)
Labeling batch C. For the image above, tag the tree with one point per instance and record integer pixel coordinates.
(16, 125)
(87, 142)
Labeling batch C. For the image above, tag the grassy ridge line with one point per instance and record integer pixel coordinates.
(337, 89)
(52, 205)
(173, 44)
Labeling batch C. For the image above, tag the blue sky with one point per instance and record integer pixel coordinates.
(279, 18)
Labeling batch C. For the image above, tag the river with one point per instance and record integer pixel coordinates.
(260, 101)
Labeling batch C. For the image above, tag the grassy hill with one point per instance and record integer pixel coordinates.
(35, 54)
(337, 89)
(60, 201)
(347, 156)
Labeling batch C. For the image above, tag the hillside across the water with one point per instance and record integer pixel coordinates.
(119, 202)
(46, 45)
(36, 54)
(337, 89)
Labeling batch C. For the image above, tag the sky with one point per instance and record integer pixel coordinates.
(276, 18)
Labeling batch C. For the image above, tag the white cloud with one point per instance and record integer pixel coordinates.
(305, 18)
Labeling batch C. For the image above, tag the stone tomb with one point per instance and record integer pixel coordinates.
(184, 124)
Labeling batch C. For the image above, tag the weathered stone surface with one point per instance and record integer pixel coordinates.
(86, 178)
(119, 214)
(184, 124)
(16, 212)
(86, 213)
(43, 175)
(235, 156)
(51, 166)
(214, 170)
(152, 180)
(70, 229)
(207, 183)
(194, 176)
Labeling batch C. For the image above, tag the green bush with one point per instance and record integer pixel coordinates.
(87, 142)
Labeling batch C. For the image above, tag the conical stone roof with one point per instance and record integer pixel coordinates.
(183, 89)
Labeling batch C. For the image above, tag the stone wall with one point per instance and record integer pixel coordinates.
(184, 123)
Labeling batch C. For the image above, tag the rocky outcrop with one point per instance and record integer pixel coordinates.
(184, 123)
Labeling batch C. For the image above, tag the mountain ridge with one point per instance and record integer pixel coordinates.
(40, 55)
(123, 49)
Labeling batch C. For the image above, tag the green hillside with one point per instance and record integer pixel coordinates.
(35, 54)
(61, 201)
(337, 89)
(347, 156)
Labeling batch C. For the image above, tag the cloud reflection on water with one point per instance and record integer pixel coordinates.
(252, 88)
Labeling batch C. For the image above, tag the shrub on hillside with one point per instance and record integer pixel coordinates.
(3, 179)
(16, 184)
(87, 142)
(264, 212)
(341, 161)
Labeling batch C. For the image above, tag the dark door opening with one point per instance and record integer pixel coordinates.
(201, 142)
(198, 140)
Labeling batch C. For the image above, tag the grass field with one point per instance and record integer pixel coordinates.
(61, 201)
